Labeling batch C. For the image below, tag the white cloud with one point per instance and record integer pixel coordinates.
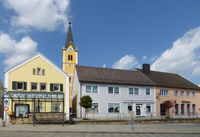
(16, 51)
(144, 58)
(40, 14)
(126, 62)
(183, 57)
(153, 58)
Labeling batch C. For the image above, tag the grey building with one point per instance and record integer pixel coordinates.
(113, 91)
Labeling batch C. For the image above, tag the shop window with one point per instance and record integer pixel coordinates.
(148, 108)
(43, 87)
(194, 109)
(56, 107)
(113, 90)
(113, 108)
(21, 110)
(176, 93)
(91, 89)
(188, 109)
(93, 109)
(33, 86)
(147, 91)
(182, 109)
(38, 107)
(164, 92)
(176, 109)
(130, 107)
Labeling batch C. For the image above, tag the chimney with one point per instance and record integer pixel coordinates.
(146, 68)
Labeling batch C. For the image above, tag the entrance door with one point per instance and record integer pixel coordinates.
(162, 110)
(137, 110)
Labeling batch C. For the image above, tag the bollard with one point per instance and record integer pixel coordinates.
(2, 123)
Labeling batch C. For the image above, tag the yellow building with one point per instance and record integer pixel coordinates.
(37, 82)
(70, 59)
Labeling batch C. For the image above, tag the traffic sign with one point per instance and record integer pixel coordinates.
(6, 102)
(132, 114)
(5, 108)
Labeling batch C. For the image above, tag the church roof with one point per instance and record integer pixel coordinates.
(70, 39)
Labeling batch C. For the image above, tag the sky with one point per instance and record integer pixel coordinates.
(123, 34)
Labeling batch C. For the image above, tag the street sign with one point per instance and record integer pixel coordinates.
(132, 114)
(6, 102)
(5, 108)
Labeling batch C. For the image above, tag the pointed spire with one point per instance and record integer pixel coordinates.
(70, 39)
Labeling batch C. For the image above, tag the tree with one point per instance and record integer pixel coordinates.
(86, 102)
(167, 105)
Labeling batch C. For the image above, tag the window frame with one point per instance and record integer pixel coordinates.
(19, 88)
(113, 107)
(34, 71)
(166, 95)
(58, 87)
(134, 91)
(194, 95)
(113, 87)
(150, 108)
(176, 95)
(91, 89)
(39, 72)
(149, 91)
(45, 87)
(39, 108)
(32, 86)
(43, 72)
(53, 108)
(188, 95)
(90, 109)
(183, 94)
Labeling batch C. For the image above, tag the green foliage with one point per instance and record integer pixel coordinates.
(85, 119)
(86, 102)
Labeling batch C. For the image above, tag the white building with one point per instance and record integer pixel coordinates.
(113, 91)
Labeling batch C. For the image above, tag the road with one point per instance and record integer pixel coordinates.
(39, 134)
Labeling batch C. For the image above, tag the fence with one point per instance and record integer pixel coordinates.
(100, 116)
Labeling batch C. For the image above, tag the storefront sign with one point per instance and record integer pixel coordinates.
(185, 101)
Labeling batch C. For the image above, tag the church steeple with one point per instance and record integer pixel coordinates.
(70, 39)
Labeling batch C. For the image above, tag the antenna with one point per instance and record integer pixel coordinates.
(70, 18)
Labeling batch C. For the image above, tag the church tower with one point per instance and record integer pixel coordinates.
(70, 59)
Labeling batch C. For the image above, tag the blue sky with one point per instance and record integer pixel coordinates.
(122, 34)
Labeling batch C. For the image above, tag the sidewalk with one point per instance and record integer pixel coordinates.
(178, 128)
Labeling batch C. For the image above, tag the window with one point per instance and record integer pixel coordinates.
(182, 94)
(19, 86)
(93, 89)
(193, 94)
(176, 93)
(113, 90)
(188, 94)
(136, 91)
(43, 72)
(33, 71)
(93, 109)
(194, 109)
(148, 108)
(130, 108)
(33, 86)
(182, 109)
(164, 93)
(38, 107)
(113, 108)
(43, 87)
(56, 107)
(147, 91)
(21, 110)
(56, 87)
(176, 109)
(38, 71)
(70, 57)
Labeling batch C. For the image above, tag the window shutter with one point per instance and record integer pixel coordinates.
(61, 87)
(51, 87)
(25, 85)
(13, 85)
